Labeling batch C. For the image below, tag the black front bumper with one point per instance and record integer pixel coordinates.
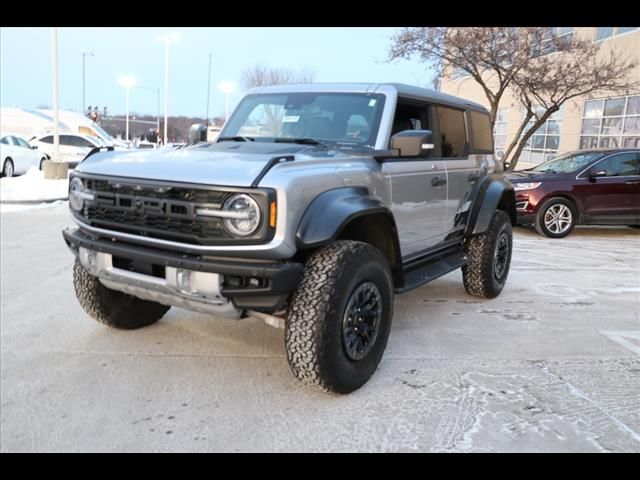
(277, 279)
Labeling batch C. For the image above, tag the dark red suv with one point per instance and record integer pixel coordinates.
(586, 187)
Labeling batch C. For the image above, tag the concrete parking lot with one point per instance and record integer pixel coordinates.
(553, 364)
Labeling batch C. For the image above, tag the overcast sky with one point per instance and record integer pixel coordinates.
(335, 54)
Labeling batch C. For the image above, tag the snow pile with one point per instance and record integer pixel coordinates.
(32, 188)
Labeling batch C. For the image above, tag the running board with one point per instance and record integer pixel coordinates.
(430, 271)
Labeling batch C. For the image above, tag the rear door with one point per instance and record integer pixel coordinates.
(617, 195)
(462, 167)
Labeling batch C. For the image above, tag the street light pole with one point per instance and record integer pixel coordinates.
(166, 87)
(127, 82)
(227, 88)
(167, 40)
(84, 105)
(54, 62)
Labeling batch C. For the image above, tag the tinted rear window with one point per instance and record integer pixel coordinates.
(452, 132)
(481, 138)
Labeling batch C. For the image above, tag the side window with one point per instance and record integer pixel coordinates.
(452, 131)
(481, 138)
(5, 140)
(21, 142)
(66, 140)
(410, 117)
(621, 165)
(82, 142)
(47, 139)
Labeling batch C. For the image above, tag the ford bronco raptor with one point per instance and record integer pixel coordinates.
(316, 204)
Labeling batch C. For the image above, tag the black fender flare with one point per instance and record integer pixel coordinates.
(493, 192)
(331, 211)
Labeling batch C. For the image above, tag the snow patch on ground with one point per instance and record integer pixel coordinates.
(32, 187)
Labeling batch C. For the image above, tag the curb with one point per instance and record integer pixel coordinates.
(32, 202)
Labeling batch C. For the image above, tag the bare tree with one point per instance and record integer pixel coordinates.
(541, 66)
(260, 75)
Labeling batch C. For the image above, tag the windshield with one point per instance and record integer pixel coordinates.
(345, 120)
(567, 163)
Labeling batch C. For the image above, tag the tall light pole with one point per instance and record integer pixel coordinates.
(226, 88)
(167, 40)
(208, 89)
(54, 63)
(84, 105)
(127, 82)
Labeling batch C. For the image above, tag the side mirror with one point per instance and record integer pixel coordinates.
(34, 147)
(413, 143)
(597, 173)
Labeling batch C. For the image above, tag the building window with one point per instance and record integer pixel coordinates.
(545, 141)
(611, 123)
(550, 39)
(606, 32)
(500, 132)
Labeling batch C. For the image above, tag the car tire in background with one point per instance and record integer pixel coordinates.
(8, 168)
(42, 160)
(556, 217)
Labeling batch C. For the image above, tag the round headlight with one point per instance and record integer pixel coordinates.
(242, 215)
(75, 188)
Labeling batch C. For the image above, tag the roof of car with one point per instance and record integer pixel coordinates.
(403, 90)
(604, 150)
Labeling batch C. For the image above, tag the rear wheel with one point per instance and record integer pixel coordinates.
(634, 226)
(113, 308)
(340, 317)
(556, 218)
(7, 168)
(486, 271)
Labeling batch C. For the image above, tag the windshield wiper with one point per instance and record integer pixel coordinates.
(236, 139)
(301, 141)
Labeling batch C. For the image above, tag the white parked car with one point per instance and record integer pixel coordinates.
(17, 156)
(73, 146)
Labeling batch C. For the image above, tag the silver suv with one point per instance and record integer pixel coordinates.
(316, 204)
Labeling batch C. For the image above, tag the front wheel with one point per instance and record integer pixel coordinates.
(339, 318)
(113, 308)
(556, 218)
(486, 271)
(7, 168)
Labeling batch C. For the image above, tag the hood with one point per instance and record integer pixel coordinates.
(522, 176)
(225, 163)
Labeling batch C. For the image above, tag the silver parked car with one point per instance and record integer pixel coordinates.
(346, 195)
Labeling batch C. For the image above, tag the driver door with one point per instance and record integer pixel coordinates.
(418, 187)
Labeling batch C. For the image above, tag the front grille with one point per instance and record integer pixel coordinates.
(156, 211)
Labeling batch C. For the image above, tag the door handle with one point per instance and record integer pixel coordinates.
(437, 181)
(632, 182)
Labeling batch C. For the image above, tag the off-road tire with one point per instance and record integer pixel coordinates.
(314, 325)
(539, 219)
(479, 274)
(113, 308)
